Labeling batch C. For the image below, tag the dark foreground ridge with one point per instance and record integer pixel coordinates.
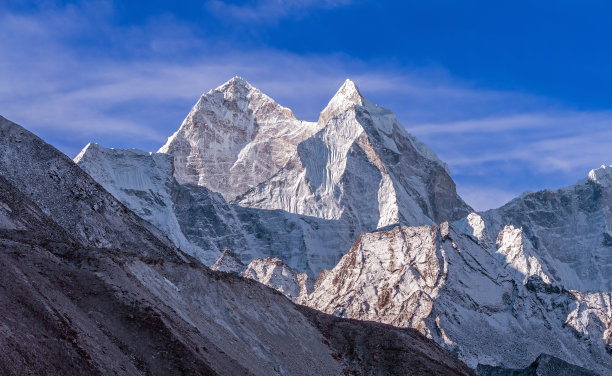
(88, 287)
(544, 365)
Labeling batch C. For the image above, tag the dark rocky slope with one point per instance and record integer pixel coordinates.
(544, 365)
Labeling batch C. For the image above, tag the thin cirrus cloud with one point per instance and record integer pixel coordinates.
(71, 96)
(271, 10)
(557, 141)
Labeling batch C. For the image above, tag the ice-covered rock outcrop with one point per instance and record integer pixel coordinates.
(519, 255)
(272, 272)
(389, 276)
(490, 305)
(228, 262)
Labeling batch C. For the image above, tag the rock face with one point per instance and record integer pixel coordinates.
(271, 272)
(389, 276)
(228, 262)
(202, 223)
(240, 143)
(141, 180)
(361, 167)
(234, 138)
(121, 299)
(488, 304)
(274, 273)
(69, 196)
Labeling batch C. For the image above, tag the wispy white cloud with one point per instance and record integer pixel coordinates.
(271, 10)
(559, 141)
(521, 121)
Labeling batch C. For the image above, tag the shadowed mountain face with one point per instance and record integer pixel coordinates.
(88, 287)
(544, 365)
(571, 228)
(289, 197)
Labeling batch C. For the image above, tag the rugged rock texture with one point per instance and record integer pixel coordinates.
(388, 276)
(74, 302)
(372, 349)
(71, 197)
(486, 304)
(239, 142)
(203, 223)
(228, 262)
(271, 272)
(361, 167)
(274, 273)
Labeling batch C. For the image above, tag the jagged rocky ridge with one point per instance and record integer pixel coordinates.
(496, 288)
(88, 287)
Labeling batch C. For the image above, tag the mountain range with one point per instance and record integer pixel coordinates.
(352, 218)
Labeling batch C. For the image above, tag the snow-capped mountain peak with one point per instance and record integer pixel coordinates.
(347, 97)
(234, 138)
(601, 175)
(355, 170)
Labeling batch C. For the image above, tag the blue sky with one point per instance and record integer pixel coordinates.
(514, 96)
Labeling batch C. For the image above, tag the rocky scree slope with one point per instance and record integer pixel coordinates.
(74, 302)
(544, 365)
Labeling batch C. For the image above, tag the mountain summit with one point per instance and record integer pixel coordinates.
(234, 138)
(357, 162)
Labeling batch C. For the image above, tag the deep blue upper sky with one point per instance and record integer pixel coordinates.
(512, 95)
